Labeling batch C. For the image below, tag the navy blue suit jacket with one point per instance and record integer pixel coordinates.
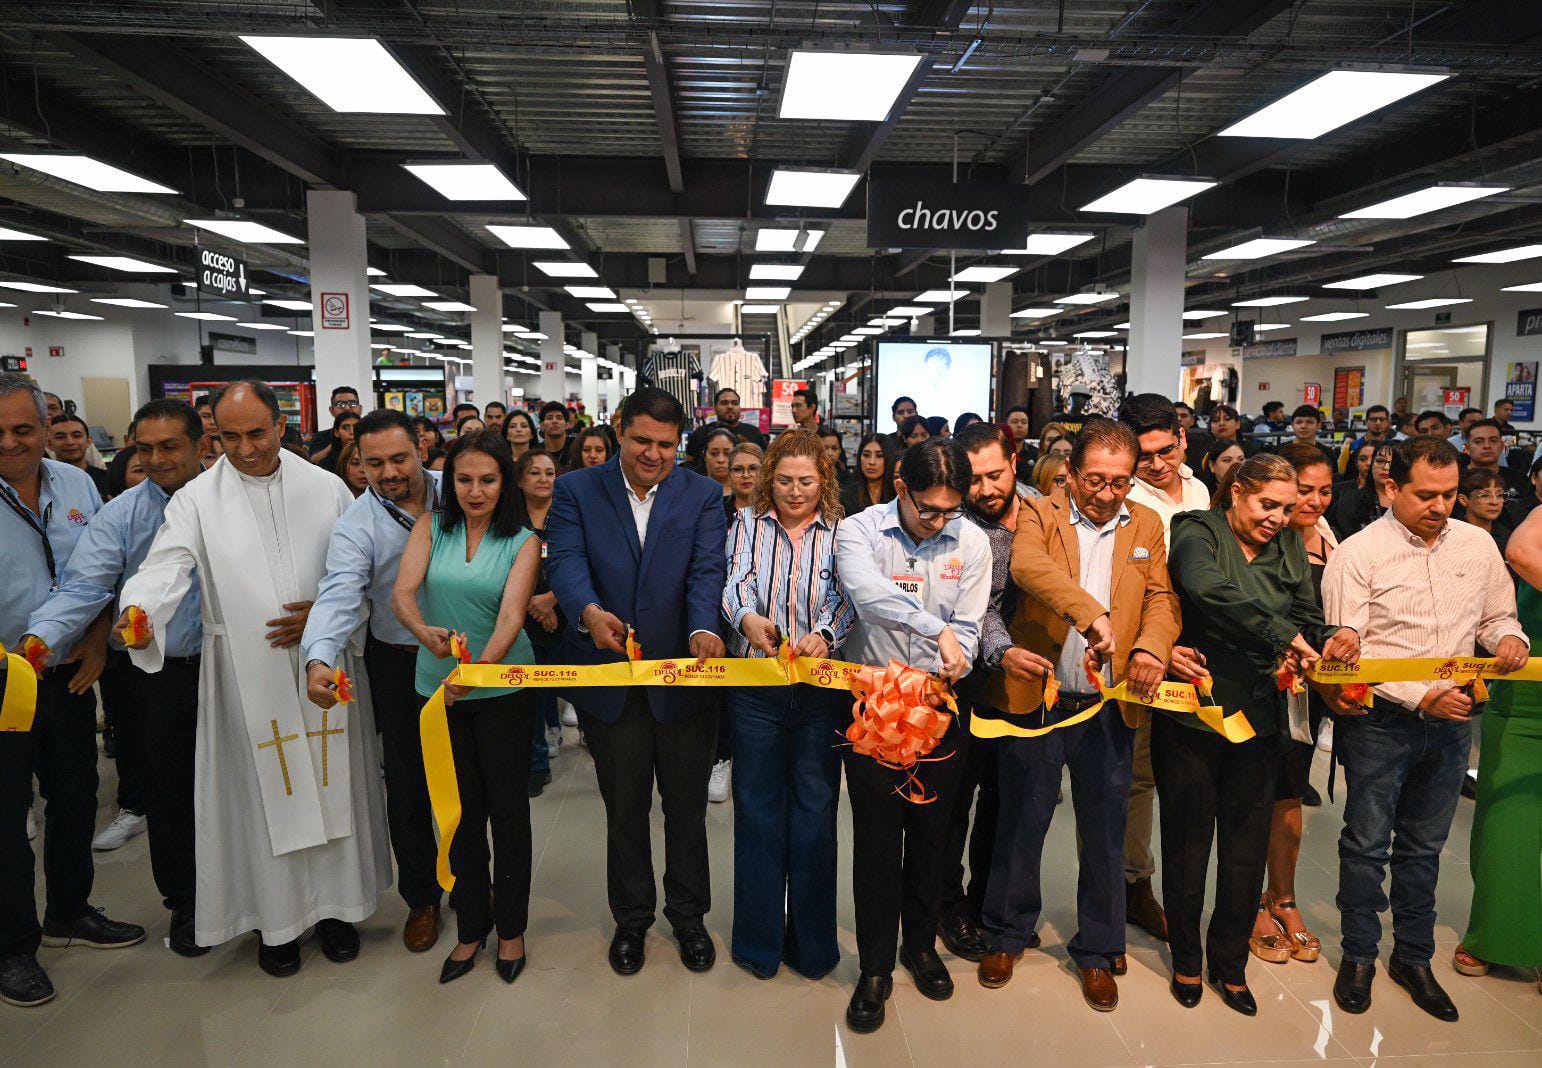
(667, 587)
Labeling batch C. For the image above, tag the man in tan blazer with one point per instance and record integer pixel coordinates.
(1098, 598)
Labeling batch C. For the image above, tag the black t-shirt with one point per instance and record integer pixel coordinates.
(98, 479)
(743, 431)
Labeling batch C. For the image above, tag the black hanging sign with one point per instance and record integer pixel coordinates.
(221, 274)
(980, 216)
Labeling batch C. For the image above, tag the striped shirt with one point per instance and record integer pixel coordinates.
(795, 586)
(1410, 599)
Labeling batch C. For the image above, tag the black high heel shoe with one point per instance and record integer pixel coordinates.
(1238, 1000)
(1186, 994)
(508, 970)
(453, 969)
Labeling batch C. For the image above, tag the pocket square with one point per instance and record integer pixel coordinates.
(1140, 553)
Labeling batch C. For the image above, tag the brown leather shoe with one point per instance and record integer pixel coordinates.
(1099, 988)
(1120, 965)
(421, 930)
(1142, 910)
(996, 969)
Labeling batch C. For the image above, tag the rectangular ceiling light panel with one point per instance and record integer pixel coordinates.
(844, 86)
(348, 74)
(127, 264)
(528, 236)
(1372, 281)
(565, 269)
(465, 180)
(1504, 255)
(1423, 201)
(776, 272)
(1048, 244)
(250, 233)
(984, 273)
(799, 188)
(1258, 248)
(1144, 196)
(1326, 103)
(83, 170)
(448, 305)
(1268, 302)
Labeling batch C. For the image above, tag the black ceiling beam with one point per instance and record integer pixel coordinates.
(659, 88)
(713, 271)
(1124, 93)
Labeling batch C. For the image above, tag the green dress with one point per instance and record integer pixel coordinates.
(1506, 851)
(465, 596)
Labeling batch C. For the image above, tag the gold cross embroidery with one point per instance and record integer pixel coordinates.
(278, 746)
(322, 734)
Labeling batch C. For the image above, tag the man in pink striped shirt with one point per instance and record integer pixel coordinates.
(1412, 584)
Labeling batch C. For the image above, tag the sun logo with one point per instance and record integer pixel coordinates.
(514, 676)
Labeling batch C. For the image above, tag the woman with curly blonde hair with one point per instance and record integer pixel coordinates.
(781, 587)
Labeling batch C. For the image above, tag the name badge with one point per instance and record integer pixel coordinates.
(915, 585)
(543, 550)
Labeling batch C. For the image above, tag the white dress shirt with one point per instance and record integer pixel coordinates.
(1194, 498)
(1096, 550)
(641, 509)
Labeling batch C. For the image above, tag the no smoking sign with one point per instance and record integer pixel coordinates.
(334, 311)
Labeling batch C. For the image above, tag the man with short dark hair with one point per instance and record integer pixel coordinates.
(636, 548)
(805, 409)
(461, 409)
(1412, 584)
(1485, 449)
(1274, 419)
(45, 507)
(344, 399)
(726, 405)
(902, 408)
(1464, 419)
(69, 439)
(160, 733)
(363, 556)
(1433, 422)
(493, 414)
(1305, 422)
(1378, 428)
(1504, 407)
(556, 421)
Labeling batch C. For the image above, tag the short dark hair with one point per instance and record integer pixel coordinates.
(1018, 408)
(977, 436)
(1373, 409)
(171, 408)
(1145, 412)
(1107, 434)
(70, 417)
(654, 403)
(263, 391)
(1226, 410)
(1477, 478)
(1465, 412)
(967, 419)
(1307, 411)
(1504, 400)
(1437, 452)
(935, 424)
(1433, 413)
(498, 404)
(726, 389)
(201, 402)
(936, 462)
(343, 417)
(553, 406)
(808, 397)
(1480, 423)
(463, 406)
(901, 399)
(1183, 406)
(509, 514)
(343, 389)
(1270, 406)
(382, 419)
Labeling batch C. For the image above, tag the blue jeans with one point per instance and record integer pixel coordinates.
(1404, 778)
(786, 784)
(545, 716)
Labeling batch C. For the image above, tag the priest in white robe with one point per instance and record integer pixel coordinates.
(289, 808)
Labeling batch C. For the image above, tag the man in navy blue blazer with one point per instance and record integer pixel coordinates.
(639, 543)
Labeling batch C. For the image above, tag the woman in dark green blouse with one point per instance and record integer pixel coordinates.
(1245, 586)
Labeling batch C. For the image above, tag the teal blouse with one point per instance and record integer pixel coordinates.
(1242, 615)
(465, 596)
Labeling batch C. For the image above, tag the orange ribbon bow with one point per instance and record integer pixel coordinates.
(633, 650)
(898, 719)
(136, 626)
(35, 652)
(458, 647)
(1358, 692)
(343, 685)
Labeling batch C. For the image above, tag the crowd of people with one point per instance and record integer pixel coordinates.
(277, 613)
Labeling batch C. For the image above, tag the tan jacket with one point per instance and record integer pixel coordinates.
(1046, 563)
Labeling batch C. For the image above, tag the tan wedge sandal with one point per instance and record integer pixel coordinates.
(1273, 948)
(1305, 946)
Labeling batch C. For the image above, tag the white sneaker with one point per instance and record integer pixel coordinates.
(569, 715)
(717, 785)
(553, 742)
(31, 825)
(125, 826)
(1325, 736)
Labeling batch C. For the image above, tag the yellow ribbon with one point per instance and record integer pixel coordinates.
(1177, 697)
(20, 702)
(1458, 669)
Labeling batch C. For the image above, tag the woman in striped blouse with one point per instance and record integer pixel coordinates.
(787, 772)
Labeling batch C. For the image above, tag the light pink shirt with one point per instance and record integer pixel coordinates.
(1410, 599)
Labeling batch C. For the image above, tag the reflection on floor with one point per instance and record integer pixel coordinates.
(147, 1006)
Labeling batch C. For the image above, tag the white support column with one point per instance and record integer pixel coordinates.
(1159, 257)
(996, 310)
(487, 340)
(589, 373)
(553, 381)
(340, 296)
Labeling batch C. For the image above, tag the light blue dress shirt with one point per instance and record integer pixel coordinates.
(66, 502)
(362, 560)
(1095, 544)
(950, 572)
(110, 551)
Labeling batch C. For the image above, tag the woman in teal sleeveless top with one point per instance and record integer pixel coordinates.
(471, 568)
(1506, 852)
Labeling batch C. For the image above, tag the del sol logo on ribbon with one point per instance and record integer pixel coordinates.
(963, 215)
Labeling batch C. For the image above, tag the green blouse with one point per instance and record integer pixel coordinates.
(1243, 614)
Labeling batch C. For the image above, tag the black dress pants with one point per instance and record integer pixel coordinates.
(392, 670)
(61, 751)
(1212, 788)
(979, 788)
(896, 849)
(490, 743)
(167, 703)
(630, 755)
(126, 722)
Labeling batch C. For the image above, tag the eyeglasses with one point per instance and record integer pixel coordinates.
(1489, 496)
(347, 405)
(744, 469)
(1147, 458)
(936, 513)
(1097, 483)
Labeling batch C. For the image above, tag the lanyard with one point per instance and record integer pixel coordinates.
(41, 529)
(404, 520)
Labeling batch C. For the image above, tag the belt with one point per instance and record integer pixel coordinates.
(1381, 704)
(1075, 702)
(183, 661)
(392, 645)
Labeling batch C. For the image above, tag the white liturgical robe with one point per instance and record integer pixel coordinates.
(289, 807)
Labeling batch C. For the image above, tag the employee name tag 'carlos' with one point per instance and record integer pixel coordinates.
(915, 585)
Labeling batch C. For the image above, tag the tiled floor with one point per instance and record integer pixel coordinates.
(147, 1006)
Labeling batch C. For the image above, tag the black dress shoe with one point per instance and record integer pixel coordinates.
(865, 1013)
(1352, 988)
(962, 938)
(182, 939)
(453, 969)
(696, 949)
(339, 940)
(930, 975)
(1310, 797)
(23, 982)
(1239, 1000)
(1186, 994)
(508, 970)
(94, 930)
(279, 961)
(1422, 986)
(626, 951)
